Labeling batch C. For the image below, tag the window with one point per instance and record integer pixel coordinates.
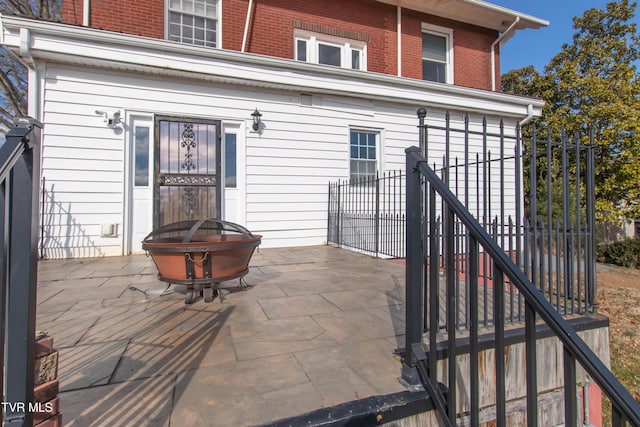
(363, 157)
(436, 54)
(141, 162)
(230, 166)
(329, 50)
(193, 21)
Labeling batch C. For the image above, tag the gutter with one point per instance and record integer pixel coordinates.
(399, 37)
(166, 56)
(529, 116)
(506, 35)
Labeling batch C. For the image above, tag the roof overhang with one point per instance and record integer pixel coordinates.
(84, 47)
(475, 12)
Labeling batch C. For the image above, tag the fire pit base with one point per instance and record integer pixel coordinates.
(208, 291)
(201, 254)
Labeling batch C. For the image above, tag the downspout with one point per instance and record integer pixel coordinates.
(85, 12)
(529, 116)
(503, 37)
(246, 25)
(33, 96)
(399, 35)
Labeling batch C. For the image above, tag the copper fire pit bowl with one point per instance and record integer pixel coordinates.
(200, 254)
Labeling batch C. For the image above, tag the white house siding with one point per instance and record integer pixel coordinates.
(300, 149)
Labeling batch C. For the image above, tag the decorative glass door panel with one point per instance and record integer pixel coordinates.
(187, 166)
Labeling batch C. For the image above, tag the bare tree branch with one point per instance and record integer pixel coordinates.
(13, 75)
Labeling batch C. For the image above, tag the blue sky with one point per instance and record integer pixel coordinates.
(537, 47)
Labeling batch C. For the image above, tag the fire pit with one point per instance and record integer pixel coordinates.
(200, 254)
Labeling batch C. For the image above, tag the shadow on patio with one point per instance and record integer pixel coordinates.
(318, 328)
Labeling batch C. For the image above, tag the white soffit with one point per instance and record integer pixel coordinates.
(475, 12)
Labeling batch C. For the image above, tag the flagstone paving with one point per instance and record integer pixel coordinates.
(317, 327)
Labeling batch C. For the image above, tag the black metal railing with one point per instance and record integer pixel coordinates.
(430, 201)
(367, 214)
(19, 171)
(534, 195)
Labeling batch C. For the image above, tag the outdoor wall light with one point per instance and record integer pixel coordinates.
(111, 118)
(256, 120)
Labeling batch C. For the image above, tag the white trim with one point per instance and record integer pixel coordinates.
(447, 33)
(131, 117)
(379, 132)
(218, 24)
(475, 12)
(236, 127)
(399, 38)
(314, 40)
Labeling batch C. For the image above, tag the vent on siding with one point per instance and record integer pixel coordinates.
(109, 230)
(306, 99)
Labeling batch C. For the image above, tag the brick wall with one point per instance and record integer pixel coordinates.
(140, 17)
(471, 49)
(273, 23)
(272, 28)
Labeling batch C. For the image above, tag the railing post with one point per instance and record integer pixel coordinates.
(590, 286)
(377, 213)
(22, 274)
(339, 216)
(413, 270)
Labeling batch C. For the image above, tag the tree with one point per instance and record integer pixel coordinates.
(593, 81)
(13, 74)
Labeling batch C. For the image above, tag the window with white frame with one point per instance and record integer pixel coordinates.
(437, 55)
(330, 50)
(193, 21)
(363, 155)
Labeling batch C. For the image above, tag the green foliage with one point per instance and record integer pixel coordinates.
(625, 253)
(593, 82)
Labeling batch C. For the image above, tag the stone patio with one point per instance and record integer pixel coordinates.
(317, 327)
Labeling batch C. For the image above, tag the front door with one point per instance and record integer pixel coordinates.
(187, 168)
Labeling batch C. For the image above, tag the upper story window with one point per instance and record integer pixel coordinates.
(329, 50)
(193, 21)
(437, 54)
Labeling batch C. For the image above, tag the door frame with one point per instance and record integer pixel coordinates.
(131, 118)
(156, 160)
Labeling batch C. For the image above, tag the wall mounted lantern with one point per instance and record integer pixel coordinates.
(256, 120)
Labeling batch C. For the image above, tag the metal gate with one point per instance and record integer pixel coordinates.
(187, 170)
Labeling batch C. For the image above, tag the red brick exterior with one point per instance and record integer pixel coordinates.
(140, 17)
(272, 27)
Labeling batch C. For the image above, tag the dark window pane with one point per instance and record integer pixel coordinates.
(329, 55)
(434, 71)
(141, 136)
(230, 160)
(434, 47)
(355, 59)
(301, 47)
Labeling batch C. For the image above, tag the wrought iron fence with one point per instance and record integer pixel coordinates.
(19, 171)
(534, 195)
(367, 214)
(430, 201)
